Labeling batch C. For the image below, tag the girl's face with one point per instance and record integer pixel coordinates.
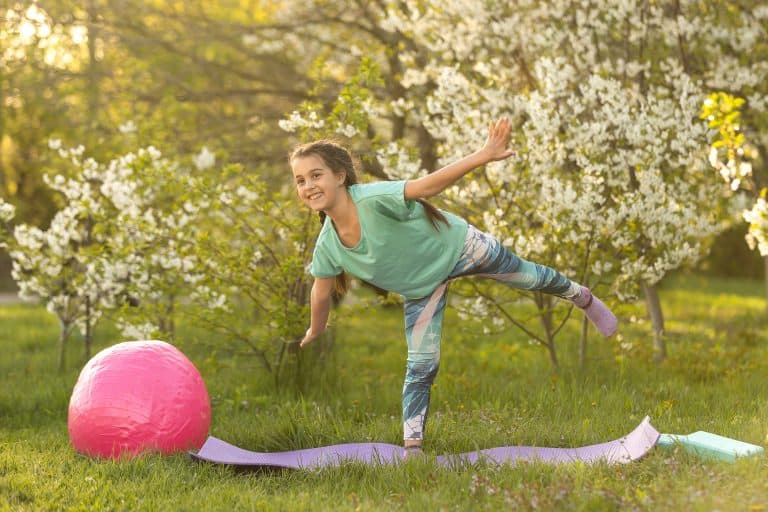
(317, 185)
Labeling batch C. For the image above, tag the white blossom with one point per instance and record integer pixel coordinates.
(205, 159)
(7, 211)
(128, 127)
(140, 331)
(296, 121)
(247, 194)
(347, 130)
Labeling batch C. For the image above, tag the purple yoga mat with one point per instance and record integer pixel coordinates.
(629, 448)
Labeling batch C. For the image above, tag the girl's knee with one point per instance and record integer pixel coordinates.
(422, 371)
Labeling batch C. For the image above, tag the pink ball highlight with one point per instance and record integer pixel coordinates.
(138, 396)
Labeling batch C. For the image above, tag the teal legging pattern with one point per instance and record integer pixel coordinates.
(482, 255)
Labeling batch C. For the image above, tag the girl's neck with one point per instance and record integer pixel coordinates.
(343, 212)
(345, 221)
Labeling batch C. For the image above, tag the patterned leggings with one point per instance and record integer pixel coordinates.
(483, 255)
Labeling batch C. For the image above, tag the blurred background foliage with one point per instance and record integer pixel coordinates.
(121, 74)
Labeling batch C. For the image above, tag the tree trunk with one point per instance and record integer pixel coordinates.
(427, 149)
(93, 70)
(657, 320)
(93, 105)
(2, 114)
(88, 308)
(545, 306)
(278, 364)
(63, 334)
(583, 343)
(88, 330)
(765, 263)
(166, 323)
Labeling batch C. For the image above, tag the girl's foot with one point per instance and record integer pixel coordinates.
(597, 312)
(412, 451)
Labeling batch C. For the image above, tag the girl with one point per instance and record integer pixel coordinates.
(385, 233)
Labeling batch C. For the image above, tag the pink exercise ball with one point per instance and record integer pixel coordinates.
(137, 396)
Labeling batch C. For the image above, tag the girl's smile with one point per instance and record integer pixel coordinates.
(324, 191)
(316, 184)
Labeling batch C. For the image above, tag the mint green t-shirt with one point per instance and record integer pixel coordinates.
(399, 249)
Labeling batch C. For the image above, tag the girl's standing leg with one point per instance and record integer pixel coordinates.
(423, 329)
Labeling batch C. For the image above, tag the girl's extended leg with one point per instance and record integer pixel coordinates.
(423, 329)
(484, 255)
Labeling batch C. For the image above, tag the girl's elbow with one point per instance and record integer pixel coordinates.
(415, 189)
(411, 190)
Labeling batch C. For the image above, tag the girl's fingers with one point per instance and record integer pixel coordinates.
(500, 128)
(498, 136)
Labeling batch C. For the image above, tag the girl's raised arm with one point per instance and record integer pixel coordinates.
(495, 148)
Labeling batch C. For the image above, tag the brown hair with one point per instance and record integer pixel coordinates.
(340, 160)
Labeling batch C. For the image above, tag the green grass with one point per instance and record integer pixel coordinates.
(491, 391)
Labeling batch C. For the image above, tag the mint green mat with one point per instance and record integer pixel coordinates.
(710, 445)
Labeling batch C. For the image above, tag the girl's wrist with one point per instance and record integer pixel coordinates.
(314, 332)
(484, 156)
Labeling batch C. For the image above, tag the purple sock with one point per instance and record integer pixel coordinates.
(597, 312)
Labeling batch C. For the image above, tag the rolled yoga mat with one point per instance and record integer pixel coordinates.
(626, 449)
(711, 446)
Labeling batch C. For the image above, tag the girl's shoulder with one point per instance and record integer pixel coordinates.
(325, 237)
(383, 197)
(327, 226)
(363, 191)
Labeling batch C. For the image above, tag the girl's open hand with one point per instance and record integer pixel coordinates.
(496, 146)
(309, 337)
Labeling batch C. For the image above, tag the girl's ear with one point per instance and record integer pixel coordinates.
(341, 178)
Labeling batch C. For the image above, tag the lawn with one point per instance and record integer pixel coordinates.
(491, 391)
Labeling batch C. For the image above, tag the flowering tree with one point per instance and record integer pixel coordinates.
(112, 243)
(54, 265)
(611, 185)
(152, 212)
(250, 285)
(214, 247)
(150, 242)
(627, 79)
